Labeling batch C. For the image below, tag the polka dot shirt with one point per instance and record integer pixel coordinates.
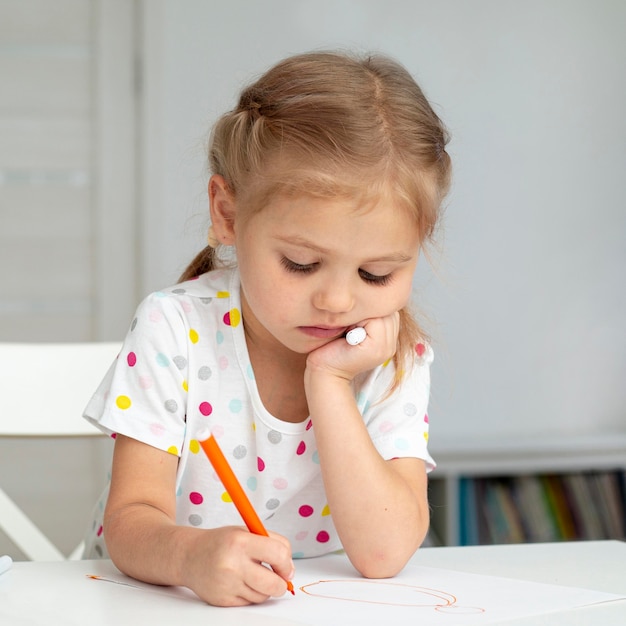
(184, 367)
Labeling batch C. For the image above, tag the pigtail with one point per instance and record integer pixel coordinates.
(204, 261)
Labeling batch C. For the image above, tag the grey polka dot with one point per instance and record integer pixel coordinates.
(204, 373)
(179, 292)
(274, 436)
(206, 300)
(195, 519)
(133, 325)
(272, 503)
(171, 406)
(98, 550)
(410, 409)
(180, 362)
(240, 452)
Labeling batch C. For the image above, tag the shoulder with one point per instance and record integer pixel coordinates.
(189, 305)
(220, 284)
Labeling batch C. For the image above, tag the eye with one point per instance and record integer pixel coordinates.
(298, 268)
(373, 279)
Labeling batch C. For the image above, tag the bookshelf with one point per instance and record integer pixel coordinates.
(550, 488)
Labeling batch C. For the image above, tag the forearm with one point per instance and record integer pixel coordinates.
(145, 544)
(381, 518)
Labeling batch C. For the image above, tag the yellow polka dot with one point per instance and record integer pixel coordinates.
(194, 446)
(123, 402)
(193, 335)
(426, 436)
(226, 497)
(173, 450)
(386, 362)
(185, 385)
(254, 426)
(325, 511)
(235, 317)
(223, 294)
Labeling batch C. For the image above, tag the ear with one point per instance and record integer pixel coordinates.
(223, 209)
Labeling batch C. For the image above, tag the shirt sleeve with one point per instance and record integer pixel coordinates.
(398, 422)
(143, 395)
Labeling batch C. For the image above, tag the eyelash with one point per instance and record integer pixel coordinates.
(297, 268)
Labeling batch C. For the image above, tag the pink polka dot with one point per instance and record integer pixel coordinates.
(302, 535)
(131, 359)
(196, 498)
(157, 429)
(322, 536)
(426, 418)
(186, 306)
(305, 510)
(155, 316)
(385, 427)
(223, 363)
(308, 426)
(301, 448)
(100, 531)
(280, 483)
(205, 408)
(217, 431)
(260, 463)
(420, 348)
(146, 382)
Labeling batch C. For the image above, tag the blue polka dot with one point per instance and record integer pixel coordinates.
(401, 444)
(162, 360)
(250, 372)
(316, 457)
(252, 483)
(297, 555)
(235, 405)
(219, 337)
(159, 294)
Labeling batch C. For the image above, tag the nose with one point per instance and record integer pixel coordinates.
(334, 297)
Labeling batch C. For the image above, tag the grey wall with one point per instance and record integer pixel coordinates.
(527, 299)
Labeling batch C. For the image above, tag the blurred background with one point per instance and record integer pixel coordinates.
(105, 109)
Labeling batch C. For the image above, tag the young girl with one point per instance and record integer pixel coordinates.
(326, 180)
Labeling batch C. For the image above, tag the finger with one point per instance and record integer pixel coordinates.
(276, 553)
(263, 581)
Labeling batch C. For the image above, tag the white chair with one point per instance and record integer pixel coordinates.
(43, 391)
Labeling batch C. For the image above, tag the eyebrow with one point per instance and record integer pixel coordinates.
(395, 257)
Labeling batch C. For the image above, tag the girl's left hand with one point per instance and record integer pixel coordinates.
(342, 360)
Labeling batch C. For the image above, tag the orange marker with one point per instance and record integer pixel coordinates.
(235, 491)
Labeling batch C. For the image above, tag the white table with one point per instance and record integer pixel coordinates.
(61, 593)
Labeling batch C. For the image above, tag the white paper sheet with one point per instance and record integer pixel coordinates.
(334, 596)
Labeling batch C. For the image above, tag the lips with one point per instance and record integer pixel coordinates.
(323, 332)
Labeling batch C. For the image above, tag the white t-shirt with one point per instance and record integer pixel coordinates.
(184, 367)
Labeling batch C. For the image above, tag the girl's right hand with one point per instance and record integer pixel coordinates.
(225, 566)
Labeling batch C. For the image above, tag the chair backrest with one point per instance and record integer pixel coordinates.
(44, 389)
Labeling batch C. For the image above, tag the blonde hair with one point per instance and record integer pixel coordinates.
(332, 124)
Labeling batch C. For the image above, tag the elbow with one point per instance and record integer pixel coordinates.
(385, 563)
(380, 565)
(377, 566)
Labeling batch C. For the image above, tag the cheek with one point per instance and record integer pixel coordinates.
(393, 298)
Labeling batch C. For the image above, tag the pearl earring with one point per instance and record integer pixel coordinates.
(212, 239)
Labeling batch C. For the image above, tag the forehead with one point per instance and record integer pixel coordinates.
(336, 226)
